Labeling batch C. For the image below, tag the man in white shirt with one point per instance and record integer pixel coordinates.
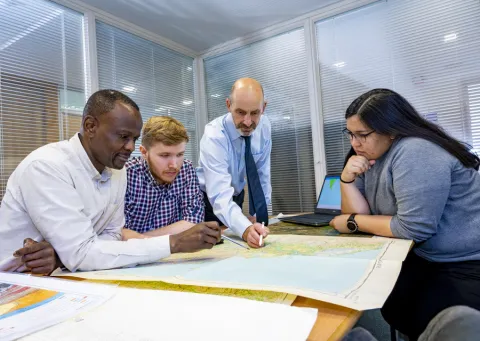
(236, 146)
(70, 194)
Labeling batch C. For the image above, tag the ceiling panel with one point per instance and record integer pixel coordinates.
(200, 25)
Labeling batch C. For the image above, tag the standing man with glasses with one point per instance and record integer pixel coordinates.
(236, 147)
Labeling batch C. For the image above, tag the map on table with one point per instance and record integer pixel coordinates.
(354, 272)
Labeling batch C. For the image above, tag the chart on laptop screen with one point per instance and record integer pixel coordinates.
(330, 196)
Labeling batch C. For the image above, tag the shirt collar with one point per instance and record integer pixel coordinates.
(232, 132)
(146, 171)
(87, 163)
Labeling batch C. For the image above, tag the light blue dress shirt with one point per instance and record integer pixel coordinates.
(222, 172)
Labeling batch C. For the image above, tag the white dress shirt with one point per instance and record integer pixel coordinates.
(56, 194)
(221, 172)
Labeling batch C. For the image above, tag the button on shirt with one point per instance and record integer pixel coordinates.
(222, 172)
(56, 194)
(150, 205)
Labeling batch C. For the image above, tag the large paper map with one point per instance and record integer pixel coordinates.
(355, 272)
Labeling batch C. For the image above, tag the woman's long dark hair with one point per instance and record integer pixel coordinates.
(388, 113)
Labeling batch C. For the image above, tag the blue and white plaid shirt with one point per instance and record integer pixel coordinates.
(149, 205)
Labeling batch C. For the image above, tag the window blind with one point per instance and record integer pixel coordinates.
(427, 50)
(280, 65)
(159, 80)
(41, 56)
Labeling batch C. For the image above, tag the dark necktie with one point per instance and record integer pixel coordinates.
(256, 196)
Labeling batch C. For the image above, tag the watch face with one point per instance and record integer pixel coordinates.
(351, 226)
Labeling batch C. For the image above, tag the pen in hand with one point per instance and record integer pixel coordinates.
(261, 236)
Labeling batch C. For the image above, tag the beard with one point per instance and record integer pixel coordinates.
(242, 128)
(161, 176)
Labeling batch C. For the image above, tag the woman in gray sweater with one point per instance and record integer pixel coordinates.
(406, 178)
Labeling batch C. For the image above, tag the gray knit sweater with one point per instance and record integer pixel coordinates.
(432, 197)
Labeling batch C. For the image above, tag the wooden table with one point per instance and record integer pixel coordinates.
(333, 321)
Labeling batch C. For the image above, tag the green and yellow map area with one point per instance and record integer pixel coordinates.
(256, 295)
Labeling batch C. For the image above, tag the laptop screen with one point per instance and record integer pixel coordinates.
(330, 196)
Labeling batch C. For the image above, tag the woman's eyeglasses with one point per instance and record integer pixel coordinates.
(359, 137)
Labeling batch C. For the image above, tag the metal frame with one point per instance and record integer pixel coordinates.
(201, 111)
(90, 53)
(316, 113)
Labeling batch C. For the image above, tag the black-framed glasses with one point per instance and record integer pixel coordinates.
(359, 137)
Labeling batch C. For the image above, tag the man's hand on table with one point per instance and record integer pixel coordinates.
(38, 257)
(199, 237)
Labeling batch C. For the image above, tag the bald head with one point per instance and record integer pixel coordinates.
(246, 104)
(246, 85)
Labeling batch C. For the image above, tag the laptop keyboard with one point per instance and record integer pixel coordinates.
(307, 217)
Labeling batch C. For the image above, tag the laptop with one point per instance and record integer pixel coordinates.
(328, 205)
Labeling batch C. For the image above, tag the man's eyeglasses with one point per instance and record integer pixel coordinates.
(359, 137)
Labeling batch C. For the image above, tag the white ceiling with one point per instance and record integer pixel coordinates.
(200, 25)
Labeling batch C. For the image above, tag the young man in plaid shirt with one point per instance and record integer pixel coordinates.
(163, 195)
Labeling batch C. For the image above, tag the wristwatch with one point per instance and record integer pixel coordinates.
(352, 224)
